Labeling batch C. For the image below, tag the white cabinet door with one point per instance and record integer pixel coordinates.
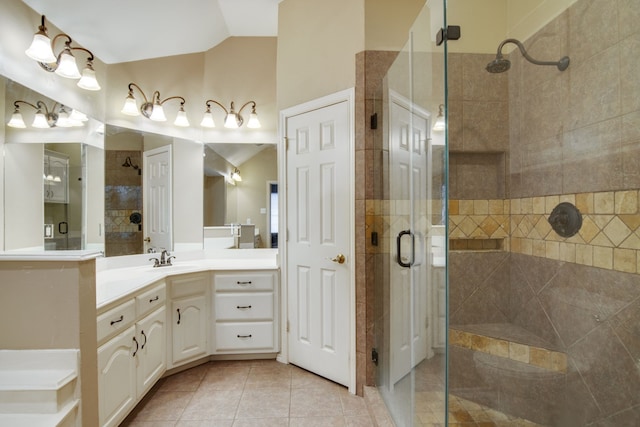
(117, 377)
(151, 358)
(189, 328)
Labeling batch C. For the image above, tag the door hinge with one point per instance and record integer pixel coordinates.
(374, 356)
(287, 326)
(452, 32)
(286, 143)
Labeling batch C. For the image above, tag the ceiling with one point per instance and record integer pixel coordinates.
(131, 30)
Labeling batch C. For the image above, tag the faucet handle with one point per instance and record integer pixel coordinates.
(156, 261)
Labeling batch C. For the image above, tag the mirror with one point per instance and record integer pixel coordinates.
(240, 210)
(208, 210)
(53, 178)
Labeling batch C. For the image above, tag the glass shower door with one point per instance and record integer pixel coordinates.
(412, 329)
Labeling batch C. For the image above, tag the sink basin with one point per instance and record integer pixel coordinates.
(168, 269)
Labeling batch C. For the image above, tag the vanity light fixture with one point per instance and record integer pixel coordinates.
(153, 109)
(440, 124)
(236, 175)
(232, 120)
(63, 64)
(44, 118)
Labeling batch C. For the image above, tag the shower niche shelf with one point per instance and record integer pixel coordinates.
(476, 244)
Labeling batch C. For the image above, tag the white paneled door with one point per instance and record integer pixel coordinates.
(410, 339)
(319, 240)
(157, 199)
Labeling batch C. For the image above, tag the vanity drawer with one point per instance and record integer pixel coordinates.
(154, 297)
(244, 336)
(244, 306)
(116, 319)
(244, 281)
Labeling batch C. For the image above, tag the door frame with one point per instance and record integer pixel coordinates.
(347, 95)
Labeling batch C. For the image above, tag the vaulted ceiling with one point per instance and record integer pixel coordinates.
(130, 30)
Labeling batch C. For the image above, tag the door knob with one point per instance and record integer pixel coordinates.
(339, 259)
(147, 239)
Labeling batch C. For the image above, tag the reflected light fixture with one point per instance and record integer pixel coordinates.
(63, 64)
(440, 124)
(235, 175)
(44, 117)
(232, 120)
(153, 109)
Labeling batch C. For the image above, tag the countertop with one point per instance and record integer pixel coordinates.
(120, 276)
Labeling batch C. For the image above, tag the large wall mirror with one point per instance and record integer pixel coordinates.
(54, 176)
(210, 207)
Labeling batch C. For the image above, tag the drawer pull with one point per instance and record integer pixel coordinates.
(179, 316)
(243, 283)
(154, 299)
(243, 307)
(113, 322)
(244, 336)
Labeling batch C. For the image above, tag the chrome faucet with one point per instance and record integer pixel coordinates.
(164, 261)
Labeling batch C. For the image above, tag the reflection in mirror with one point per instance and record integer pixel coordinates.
(124, 218)
(53, 179)
(240, 196)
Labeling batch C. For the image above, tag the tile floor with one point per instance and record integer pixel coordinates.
(265, 393)
(261, 393)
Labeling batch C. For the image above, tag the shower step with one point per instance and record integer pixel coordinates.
(510, 342)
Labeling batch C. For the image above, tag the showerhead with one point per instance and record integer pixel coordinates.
(500, 65)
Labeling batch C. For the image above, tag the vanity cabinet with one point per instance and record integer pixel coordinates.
(245, 312)
(189, 317)
(56, 177)
(132, 352)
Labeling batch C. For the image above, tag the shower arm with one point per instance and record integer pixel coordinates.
(525, 54)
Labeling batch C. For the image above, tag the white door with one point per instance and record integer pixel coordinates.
(409, 190)
(319, 240)
(157, 199)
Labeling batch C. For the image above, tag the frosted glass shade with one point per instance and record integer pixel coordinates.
(253, 122)
(16, 121)
(130, 107)
(231, 121)
(157, 115)
(67, 66)
(207, 120)
(181, 119)
(40, 49)
(88, 80)
(40, 121)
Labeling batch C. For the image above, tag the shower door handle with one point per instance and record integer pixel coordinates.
(401, 263)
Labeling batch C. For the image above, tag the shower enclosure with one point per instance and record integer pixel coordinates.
(489, 307)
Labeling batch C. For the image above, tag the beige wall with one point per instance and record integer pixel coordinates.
(485, 23)
(317, 44)
(387, 22)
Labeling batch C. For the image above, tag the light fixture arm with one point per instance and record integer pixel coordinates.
(253, 106)
(218, 104)
(67, 45)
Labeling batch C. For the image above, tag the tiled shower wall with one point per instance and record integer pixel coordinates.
(562, 136)
(123, 196)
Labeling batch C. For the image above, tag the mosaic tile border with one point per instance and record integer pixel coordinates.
(609, 237)
(531, 355)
